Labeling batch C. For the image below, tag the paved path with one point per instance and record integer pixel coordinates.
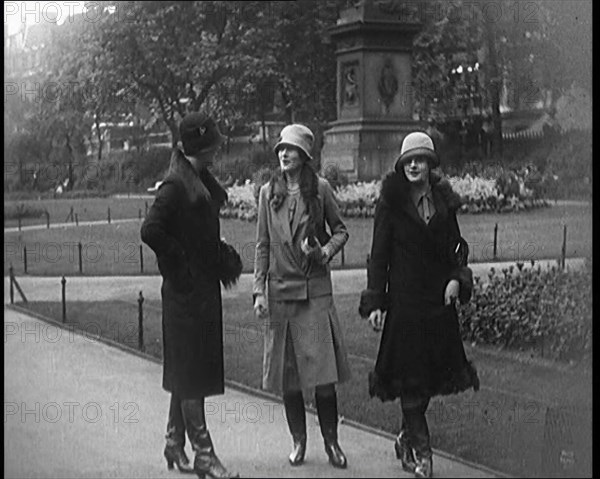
(57, 383)
(75, 407)
(102, 288)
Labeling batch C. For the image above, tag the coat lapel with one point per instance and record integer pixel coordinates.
(441, 209)
(411, 210)
(280, 217)
(300, 216)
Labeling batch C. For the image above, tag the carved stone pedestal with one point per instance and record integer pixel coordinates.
(374, 93)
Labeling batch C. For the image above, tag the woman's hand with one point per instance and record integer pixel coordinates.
(316, 252)
(261, 309)
(451, 293)
(377, 320)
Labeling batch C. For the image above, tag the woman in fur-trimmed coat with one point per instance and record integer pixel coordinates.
(417, 270)
(182, 228)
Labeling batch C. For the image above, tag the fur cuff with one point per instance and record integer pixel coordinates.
(370, 300)
(230, 265)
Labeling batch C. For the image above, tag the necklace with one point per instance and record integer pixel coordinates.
(293, 189)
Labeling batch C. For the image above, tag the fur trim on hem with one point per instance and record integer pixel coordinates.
(388, 391)
(370, 300)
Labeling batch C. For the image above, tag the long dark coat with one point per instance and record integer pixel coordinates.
(182, 228)
(421, 351)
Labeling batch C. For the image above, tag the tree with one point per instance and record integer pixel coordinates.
(515, 44)
(173, 55)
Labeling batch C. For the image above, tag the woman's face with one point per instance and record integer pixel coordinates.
(417, 170)
(289, 158)
(203, 160)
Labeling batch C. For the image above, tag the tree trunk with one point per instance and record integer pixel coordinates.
(494, 82)
(70, 174)
(173, 128)
(289, 112)
(264, 128)
(99, 135)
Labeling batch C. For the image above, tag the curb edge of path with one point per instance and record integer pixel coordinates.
(244, 388)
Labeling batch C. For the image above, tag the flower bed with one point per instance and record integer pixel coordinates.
(357, 200)
(240, 202)
(545, 310)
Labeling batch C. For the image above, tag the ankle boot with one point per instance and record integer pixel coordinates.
(176, 455)
(328, 418)
(296, 418)
(174, 450)
(424, 466)
(206, 462)
(404, 452)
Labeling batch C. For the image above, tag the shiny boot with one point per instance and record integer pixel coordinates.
(206, 462)
(328, 418)
(174, 450)
(424, 467)
(404, 452)
(296, 418)
(413, 411)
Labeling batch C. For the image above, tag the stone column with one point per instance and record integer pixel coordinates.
(374, 88)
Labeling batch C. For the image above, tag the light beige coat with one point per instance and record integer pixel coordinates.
(299, 293)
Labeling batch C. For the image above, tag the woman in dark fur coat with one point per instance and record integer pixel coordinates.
(417, 271)
(182, 228)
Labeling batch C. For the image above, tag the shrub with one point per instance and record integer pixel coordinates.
(259, 178)
(13, 212)
(261, 159)
(549, 310)
(570, 161)
(337, 179)
(148, 167)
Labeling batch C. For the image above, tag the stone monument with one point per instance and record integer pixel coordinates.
(374, 89)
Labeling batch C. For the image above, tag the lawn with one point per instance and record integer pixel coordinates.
(502, 426)
(109, 249)
(87, 209)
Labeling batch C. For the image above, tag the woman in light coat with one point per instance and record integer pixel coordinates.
(304, 347)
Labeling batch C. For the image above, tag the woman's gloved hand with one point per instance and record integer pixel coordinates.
(451, 293)
(315, 252)
(377, 320)
(261, 310)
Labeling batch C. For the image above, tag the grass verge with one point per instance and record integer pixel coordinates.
(503, 426)
(114, 249)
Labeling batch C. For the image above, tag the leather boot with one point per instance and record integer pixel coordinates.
(206, 462)
(404, 452)
(328, 419)
(413, 412)
(424, 466)
(174, 450)
(296, 418)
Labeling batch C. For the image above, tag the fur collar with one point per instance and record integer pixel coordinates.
(198, 187)
(395, 191)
